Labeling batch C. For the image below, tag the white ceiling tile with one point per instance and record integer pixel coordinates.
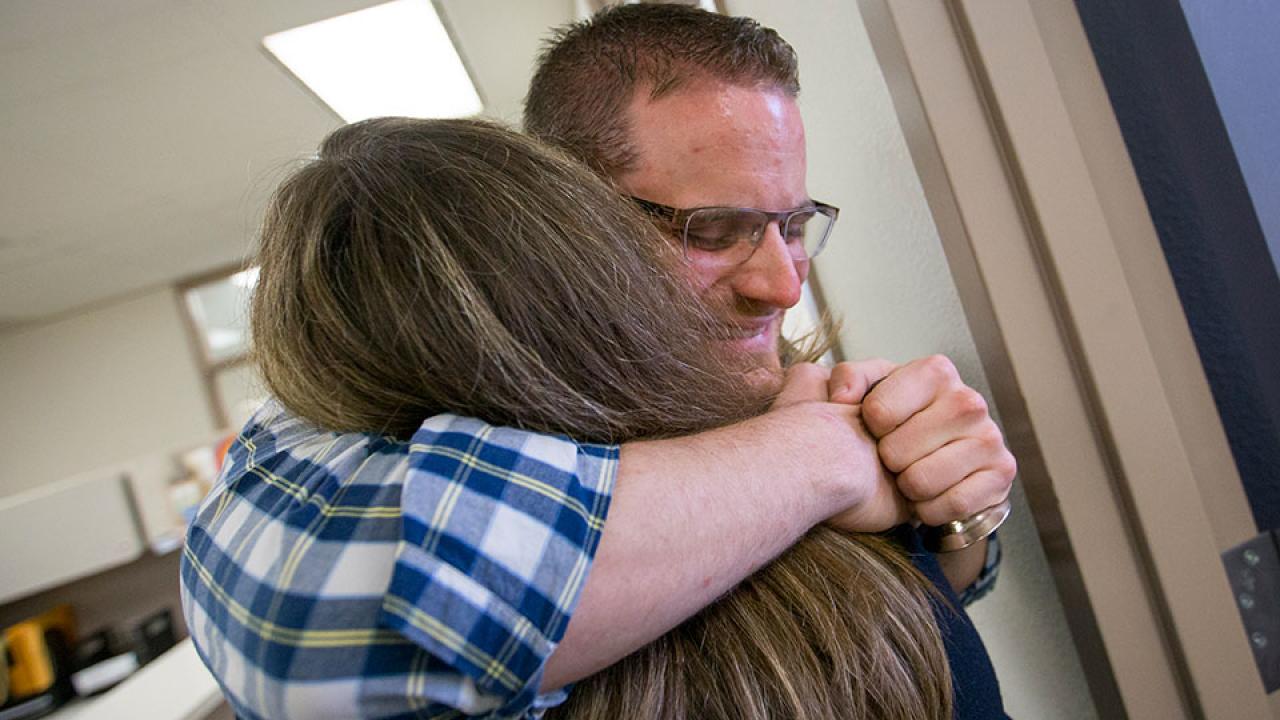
(140, 138)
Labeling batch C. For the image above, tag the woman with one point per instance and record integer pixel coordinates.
(435, 269)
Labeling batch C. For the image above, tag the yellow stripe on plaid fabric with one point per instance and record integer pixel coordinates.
(450, 638)
(571, 587)
(416, 683)
(515, 478)
(449, 501)
(225, 499)
(522, 629)
(327, 509)
(300, 494)
(358, 637)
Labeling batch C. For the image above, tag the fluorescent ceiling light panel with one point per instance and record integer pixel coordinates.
(390, 59)
(246, 279)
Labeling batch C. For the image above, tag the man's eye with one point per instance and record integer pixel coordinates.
(709, 240)
(717, 230)
(796, 226)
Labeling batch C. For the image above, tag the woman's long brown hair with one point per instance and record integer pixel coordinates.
(417, 267)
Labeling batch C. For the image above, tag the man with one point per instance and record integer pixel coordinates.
(281, 609)
(684, 110)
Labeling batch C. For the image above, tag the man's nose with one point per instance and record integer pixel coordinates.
(772, 275)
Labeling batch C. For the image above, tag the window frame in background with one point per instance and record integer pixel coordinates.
(209, 366)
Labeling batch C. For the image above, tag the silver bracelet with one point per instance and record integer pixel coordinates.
(960, 534)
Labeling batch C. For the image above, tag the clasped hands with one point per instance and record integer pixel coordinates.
(921, 443)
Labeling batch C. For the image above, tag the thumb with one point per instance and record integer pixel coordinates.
(850, 381)
(805, 382)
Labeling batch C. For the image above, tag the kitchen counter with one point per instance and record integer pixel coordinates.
(174, 686)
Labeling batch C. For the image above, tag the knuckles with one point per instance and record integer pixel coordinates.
(878, 414)
(1007, 466)
(956, 504)
(915, 484)
(893, 454)
(940, 369)
(968, 404)
(999, 459)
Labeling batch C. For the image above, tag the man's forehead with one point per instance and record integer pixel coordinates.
(719, 142)
(718, 111)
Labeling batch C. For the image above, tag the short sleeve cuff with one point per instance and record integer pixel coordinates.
(500, 527)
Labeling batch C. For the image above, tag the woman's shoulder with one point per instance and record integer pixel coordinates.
(276, 442)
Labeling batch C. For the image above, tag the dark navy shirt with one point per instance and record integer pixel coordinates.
(977, 692)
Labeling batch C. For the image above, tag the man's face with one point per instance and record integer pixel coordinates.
(713, 144)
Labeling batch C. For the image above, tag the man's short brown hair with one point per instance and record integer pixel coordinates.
(589, 71)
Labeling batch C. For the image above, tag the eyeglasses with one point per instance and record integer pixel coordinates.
(730, 235)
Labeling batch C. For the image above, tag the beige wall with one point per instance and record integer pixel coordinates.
(95, 389)
(886, 273)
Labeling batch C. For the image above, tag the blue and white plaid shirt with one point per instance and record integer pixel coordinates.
(350, 575)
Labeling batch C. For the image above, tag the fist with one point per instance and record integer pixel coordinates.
(936, 434)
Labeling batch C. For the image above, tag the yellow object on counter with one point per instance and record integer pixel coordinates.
(39, 652)
(4, 672)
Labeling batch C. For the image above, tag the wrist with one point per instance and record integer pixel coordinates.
(833, 461)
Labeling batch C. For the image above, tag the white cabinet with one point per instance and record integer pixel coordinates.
(65, 530)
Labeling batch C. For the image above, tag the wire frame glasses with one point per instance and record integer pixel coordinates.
(730, 235)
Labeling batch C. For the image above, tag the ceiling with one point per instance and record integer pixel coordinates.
(140, 138)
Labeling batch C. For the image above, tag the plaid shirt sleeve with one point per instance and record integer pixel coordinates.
(499, 531)
(347, 575)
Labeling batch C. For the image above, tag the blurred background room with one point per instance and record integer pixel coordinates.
(990, 211)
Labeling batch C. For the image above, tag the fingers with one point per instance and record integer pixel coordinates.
(805, 382)
(977, 492)
(846, 383)
(850, 380)
(959, 479)
(954, 415)
(936, 433)
(906, 391)
(954, 464)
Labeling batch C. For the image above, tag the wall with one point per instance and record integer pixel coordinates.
(885, 271)
(97, 388)
(1241, 58)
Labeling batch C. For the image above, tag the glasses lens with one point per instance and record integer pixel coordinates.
(807, 231)
(722, 234)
